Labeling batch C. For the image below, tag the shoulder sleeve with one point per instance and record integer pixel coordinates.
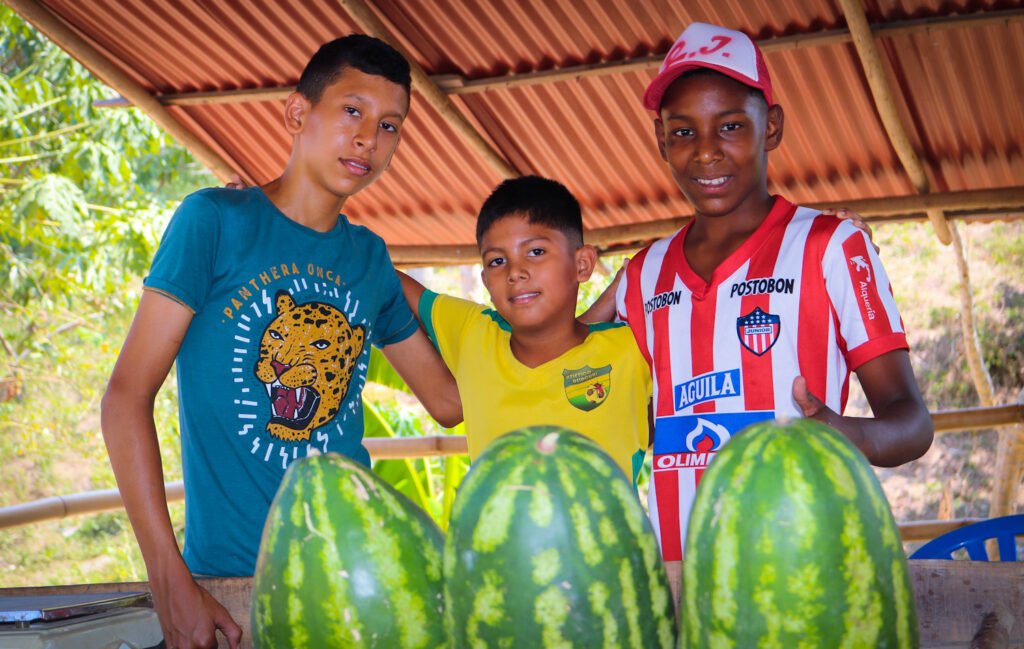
(629, 305)
(183, 266)
(869, 322)
(447, 320)
(395, 320)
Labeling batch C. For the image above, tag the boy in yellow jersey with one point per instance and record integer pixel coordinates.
(529, 360)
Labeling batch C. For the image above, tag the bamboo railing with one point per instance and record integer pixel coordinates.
(394, 448)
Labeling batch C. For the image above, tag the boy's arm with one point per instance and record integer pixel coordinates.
(901, 429)
(422, 368)
(413, 291)
(189, 615)
(419, 364)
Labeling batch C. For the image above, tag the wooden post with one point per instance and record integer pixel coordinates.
(972, 344)
(369, 23)
(885, 102)
(1010, 447)
(1009, 468)
(54, 28)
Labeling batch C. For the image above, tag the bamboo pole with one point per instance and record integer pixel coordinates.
(964, 201)
(952, 421)
(57, 31)
(421, 82)
(73, 505)
(459, 85)
(885, 102)
(928, 530)
(393, 448)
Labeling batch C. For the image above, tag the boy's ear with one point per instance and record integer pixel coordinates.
(296, 108)
(586, 260)
(774, 122)
(659, 135)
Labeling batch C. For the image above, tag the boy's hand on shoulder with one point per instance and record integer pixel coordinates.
(856, 220)
(603, 308)
(810, 405)
(814, 408)
(235, 182)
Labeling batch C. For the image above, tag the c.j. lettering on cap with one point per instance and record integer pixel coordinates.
(702, 45)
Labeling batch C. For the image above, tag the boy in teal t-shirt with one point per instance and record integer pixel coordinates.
(269, 300)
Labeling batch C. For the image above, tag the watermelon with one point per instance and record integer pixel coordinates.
(791, 544)
(548, 546)
(346, 561)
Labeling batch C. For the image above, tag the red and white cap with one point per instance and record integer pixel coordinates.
(702, 45)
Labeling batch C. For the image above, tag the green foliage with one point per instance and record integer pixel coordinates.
(428, 482)
(84, 196)
(86, 191)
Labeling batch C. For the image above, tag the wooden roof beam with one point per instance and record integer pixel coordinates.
(422, 83)
(975, 204)
(459, 85)
(100, 65)
(885, 102)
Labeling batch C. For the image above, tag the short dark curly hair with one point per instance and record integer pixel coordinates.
(541, 200)
(364, 53)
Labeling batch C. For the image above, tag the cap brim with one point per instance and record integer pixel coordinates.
(656, 91)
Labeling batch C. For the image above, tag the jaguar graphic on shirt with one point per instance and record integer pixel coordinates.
(306, 359)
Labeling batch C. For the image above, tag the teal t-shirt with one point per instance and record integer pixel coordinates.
(274, 361)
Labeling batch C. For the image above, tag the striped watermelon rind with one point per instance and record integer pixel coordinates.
(346, 561)
(548, 546)
(791, 543)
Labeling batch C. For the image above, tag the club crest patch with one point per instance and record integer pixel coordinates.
(586, 388)
(758, 330)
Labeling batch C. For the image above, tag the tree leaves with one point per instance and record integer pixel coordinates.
(84, 192)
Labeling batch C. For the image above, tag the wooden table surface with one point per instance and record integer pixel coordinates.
(952, 598)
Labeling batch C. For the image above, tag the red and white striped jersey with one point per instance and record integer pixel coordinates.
(805, 295)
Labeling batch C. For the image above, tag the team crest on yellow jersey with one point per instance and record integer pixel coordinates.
(586, 388)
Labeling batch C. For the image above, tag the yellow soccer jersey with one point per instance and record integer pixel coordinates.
(599, 388)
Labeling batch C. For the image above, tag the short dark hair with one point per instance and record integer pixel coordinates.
(364, 53)
(541, 200)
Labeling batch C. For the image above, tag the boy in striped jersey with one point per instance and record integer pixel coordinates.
(758, 308)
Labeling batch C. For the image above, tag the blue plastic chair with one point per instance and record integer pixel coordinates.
(972, 538)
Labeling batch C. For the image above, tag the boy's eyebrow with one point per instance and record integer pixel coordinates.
(524, 242)
(361, 98)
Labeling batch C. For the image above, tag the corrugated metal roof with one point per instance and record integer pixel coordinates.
(959, 90)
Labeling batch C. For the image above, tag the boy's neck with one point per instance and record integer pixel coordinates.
(305, 202)
(713, 238)
(533, 348)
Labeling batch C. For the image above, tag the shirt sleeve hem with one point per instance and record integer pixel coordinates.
(874, 348)
(404, 332)
(170, 291)
(425, 309)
